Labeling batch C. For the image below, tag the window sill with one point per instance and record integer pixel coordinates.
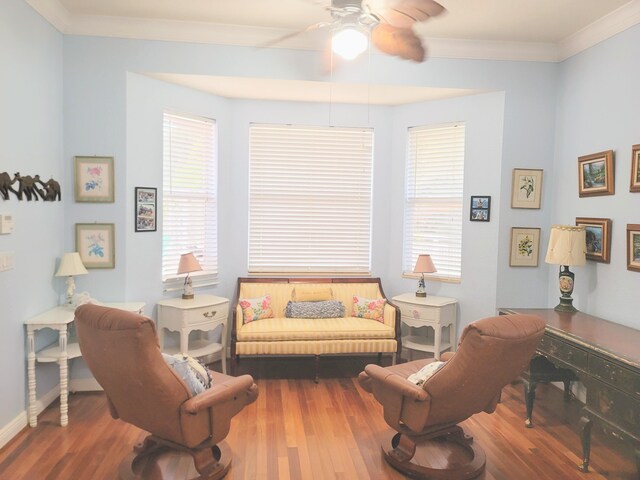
(432, 278)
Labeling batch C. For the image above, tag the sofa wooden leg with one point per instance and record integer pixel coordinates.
(317, 369)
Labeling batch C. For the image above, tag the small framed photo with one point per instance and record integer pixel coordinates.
(525, 245)
(94, 179)
(526, 188)
(595, 174)
(96, 244)
(480, 209)
(598, 233)
(146, 215)
(635, 169)
(633, 247)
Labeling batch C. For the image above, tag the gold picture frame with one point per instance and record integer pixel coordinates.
(95, 242)
(635, 169)
(525, 247)
(633, 247)
(94, 179)
(526, 188)
(598, 237)
(596, 175)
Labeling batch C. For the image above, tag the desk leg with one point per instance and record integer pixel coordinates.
(223, 341)
(184, 341)
(437, 341)
(64, 379)
(585, 435)
(452, 336)
(31, 372)
(529, 397)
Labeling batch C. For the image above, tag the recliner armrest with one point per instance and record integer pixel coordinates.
(220, 393)
(446, 356)
(397, 383)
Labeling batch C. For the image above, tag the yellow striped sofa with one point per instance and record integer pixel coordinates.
(313, 336)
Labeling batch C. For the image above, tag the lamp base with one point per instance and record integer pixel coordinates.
(565, 305)
(187, 296)
(421, 294)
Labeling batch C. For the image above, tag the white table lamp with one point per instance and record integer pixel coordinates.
(70, 265)
(424, 264)
(188, 263)
(567, 247)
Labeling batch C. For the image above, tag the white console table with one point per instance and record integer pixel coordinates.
(59, 319)
(430, 311)
(202, 313)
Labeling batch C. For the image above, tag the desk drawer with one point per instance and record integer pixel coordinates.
(567, 353)
(619, 408)
(614, 374)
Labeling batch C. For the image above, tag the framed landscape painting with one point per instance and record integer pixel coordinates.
(633, 247)
(96, 244)
(595, 174)
(94, 179)
(598, 234)
(525, 245)
(526, 188)
(635, 169)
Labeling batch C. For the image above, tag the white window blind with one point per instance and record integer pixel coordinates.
(433, 198)
(189, 197)
(310, 199)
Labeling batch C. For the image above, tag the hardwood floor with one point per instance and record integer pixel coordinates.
(298, 429)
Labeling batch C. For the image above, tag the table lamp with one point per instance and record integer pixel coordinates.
(423, 265)
(70, 265)
(188, 263)
(567, 247)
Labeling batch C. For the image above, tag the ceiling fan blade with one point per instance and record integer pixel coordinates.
(310, 28)
(402, 42)
(403, 13)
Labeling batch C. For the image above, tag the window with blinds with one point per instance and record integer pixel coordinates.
(189, 197)
(310, 199)
(433, 198)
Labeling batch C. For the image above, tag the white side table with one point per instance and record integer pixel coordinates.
(430, 311)
(203, 313)
(59, 319)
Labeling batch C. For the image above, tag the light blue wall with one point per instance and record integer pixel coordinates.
(598, 107)
(31, 143)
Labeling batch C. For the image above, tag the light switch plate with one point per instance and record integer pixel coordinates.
(6, 224)
(6, 261)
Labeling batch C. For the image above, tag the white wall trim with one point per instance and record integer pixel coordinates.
(54, 12)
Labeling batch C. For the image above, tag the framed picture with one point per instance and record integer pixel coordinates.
(525, 245)
(526, 188)
(598, 233)
(633, 247)
(96, 244)
(595, 174)
(146, 202)
(635, 169)
(480, 209)
(94, 179)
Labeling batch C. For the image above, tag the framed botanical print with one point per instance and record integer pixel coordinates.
(94, 179)
(595, 174)
(526, 188)
(633, 247)
(635, 169)
(525, 245)
(146, 203)
(96, 244)
(598, 235)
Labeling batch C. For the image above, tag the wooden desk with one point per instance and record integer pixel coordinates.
(58, 319)
(605, 356)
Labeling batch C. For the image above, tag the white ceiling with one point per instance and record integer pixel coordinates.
(531, 30)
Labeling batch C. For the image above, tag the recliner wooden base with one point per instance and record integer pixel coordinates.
(210, 462)
(406, 455)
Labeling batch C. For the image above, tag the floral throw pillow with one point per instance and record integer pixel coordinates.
(372, 308)
(256, 308)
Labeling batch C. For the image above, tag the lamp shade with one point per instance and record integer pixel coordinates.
(567, 245)
(424, 264)
(188, 263)
(71, 264)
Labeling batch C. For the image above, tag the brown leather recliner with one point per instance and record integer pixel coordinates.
(121, 350)
(492, 352)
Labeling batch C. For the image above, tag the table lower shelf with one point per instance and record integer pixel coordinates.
(414, 342)
(197, 348)
(52, 353)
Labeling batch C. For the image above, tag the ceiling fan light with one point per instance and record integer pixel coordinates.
(349, 43)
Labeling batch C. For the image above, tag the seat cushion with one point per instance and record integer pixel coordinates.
(287, 329)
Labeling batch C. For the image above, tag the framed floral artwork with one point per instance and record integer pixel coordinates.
(595, 174)
(525, 245)
(598, 235)
(526, 188)
(96, 244)
(633, 247)
(146, 203)
(94, 179)
(635, 169)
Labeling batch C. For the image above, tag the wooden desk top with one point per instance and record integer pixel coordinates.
(618, 341)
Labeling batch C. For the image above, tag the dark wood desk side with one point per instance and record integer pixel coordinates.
(605, 356)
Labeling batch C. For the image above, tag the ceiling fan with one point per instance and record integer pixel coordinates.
(388, 23)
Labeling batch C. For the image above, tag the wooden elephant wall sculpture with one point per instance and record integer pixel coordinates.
(29, 187)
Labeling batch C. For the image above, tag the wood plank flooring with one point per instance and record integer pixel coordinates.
(298, 429)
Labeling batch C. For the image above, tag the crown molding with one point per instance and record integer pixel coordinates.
(248, 36)
(617, 21)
